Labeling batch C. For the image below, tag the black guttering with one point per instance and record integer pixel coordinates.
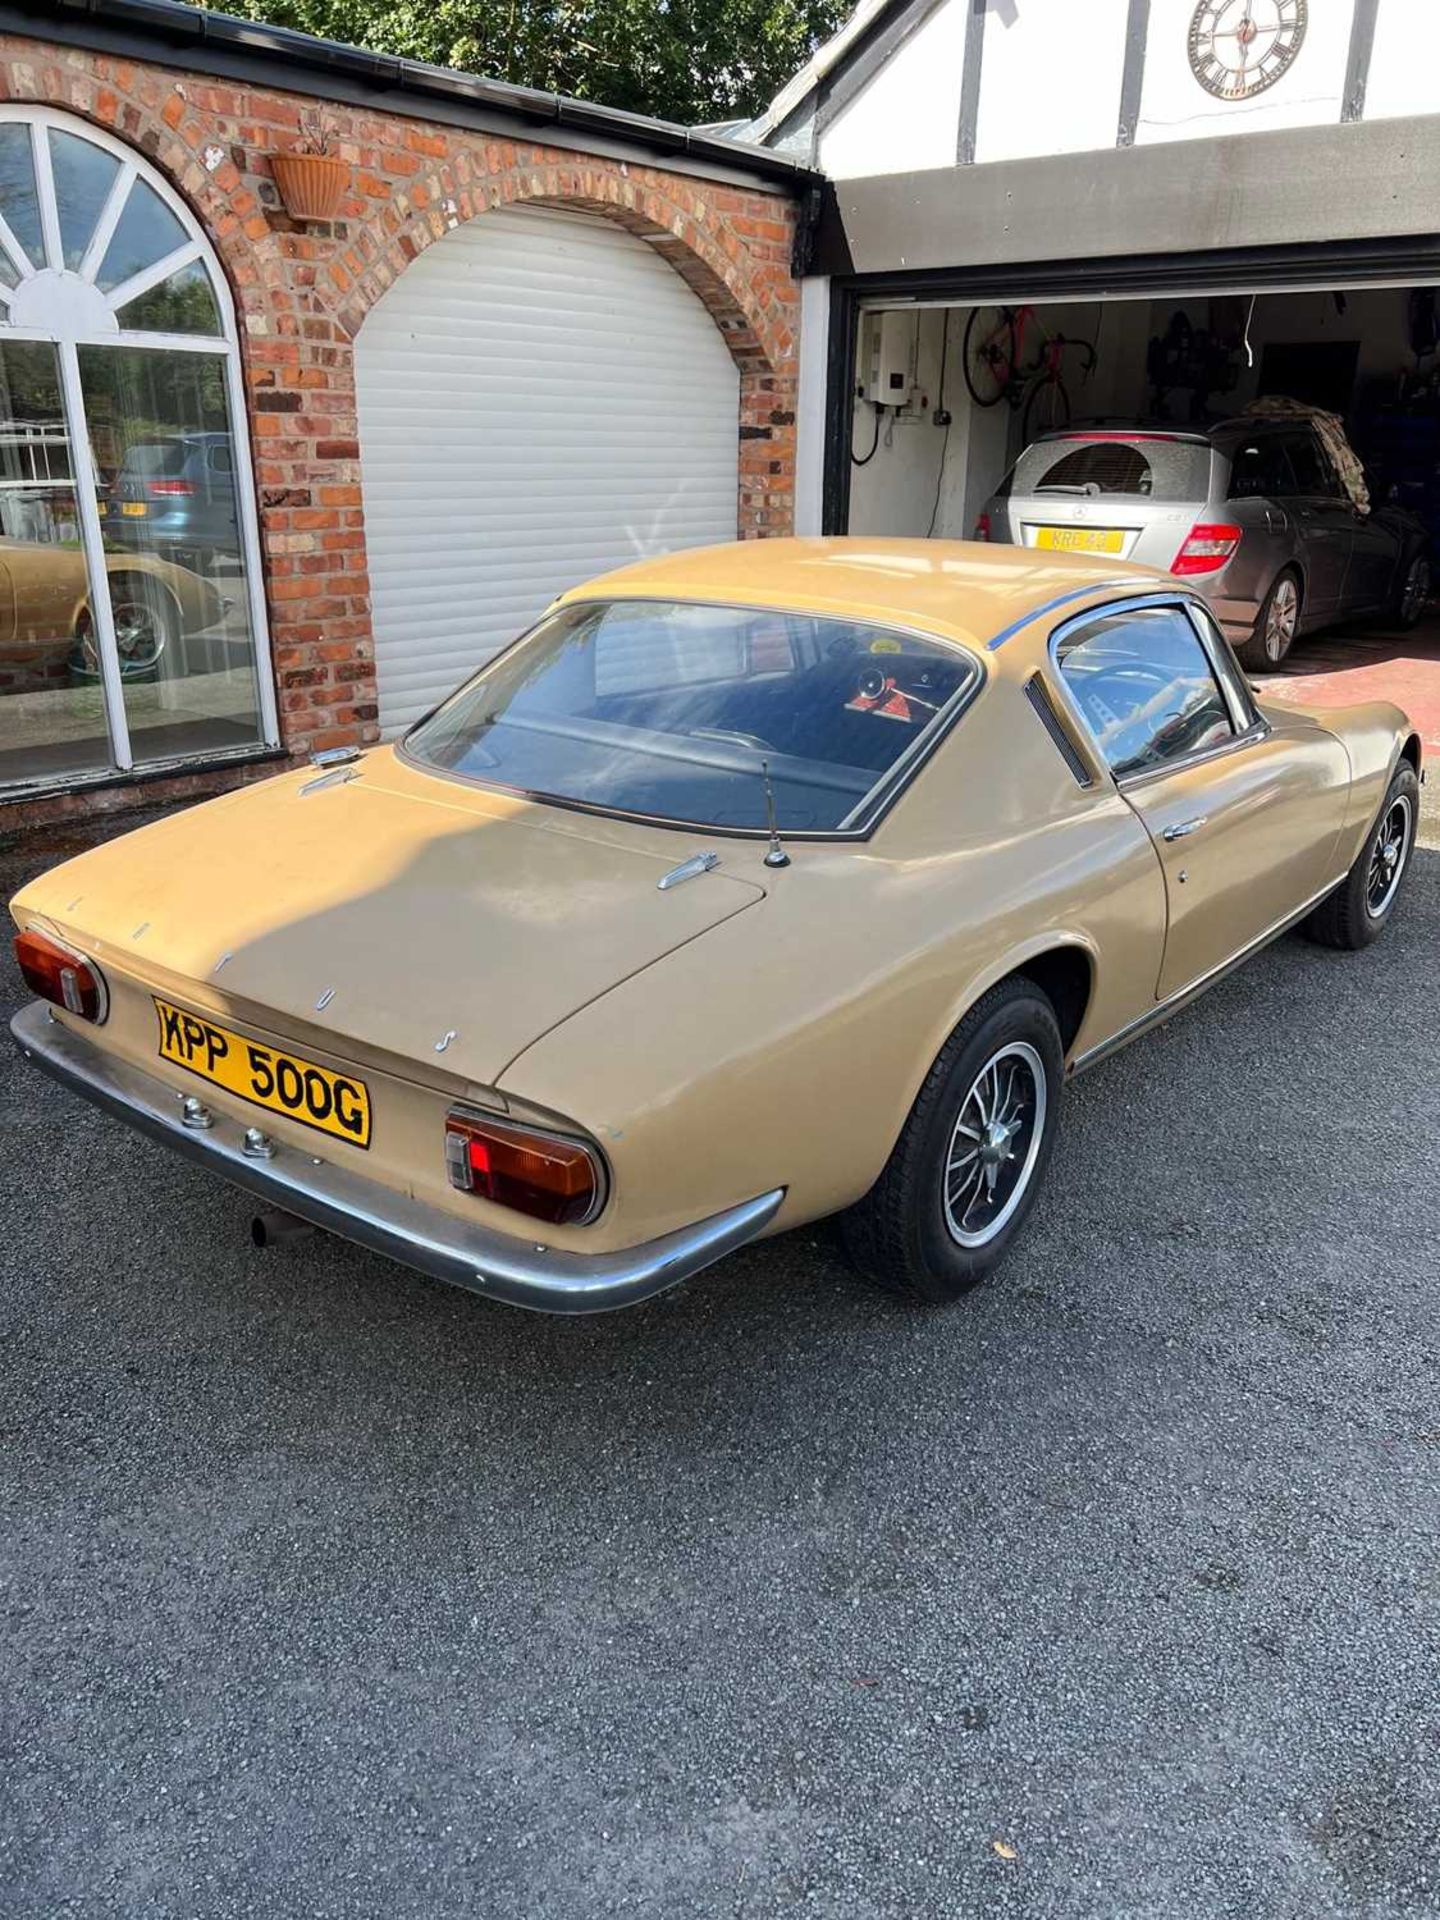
(217, 43)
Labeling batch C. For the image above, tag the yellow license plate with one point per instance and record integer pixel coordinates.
(1081, 539)
(137, 509)
(333, 1103)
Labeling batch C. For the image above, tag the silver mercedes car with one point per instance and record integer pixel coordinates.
(1253, 511)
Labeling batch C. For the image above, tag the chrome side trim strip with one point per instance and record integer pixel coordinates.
(996, 641)
(1162, 1010)
(503, 1267)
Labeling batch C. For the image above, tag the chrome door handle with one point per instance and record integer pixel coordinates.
(1182, 827)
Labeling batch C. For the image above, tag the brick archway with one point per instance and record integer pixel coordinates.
(668, 218)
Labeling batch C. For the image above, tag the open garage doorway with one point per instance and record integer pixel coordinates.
(1160, 429)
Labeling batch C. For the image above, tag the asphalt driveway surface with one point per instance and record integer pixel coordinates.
(328, 1591)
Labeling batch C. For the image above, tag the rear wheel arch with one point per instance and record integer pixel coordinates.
(1061, 966)
(1411, 752)
(139, 580)
(1066, 976)
(903, 1232)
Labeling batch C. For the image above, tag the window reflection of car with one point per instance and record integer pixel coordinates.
(46, 618)
(1139, 716)
(174, 495)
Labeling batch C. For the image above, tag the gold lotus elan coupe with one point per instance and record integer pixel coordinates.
(756, 884)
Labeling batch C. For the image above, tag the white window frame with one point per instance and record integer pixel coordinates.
(68, 333)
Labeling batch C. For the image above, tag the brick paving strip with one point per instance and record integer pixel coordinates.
(1338, 670)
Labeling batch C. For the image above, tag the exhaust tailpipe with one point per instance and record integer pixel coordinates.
(275, 1229)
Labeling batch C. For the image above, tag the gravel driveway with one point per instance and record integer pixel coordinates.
(1112, 1591)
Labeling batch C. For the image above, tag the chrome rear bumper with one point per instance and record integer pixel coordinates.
(520, 1272)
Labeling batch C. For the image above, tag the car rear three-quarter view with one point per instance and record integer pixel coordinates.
(1266, 515)
(755, 885)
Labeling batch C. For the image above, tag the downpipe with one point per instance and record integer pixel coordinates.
(274, 1228)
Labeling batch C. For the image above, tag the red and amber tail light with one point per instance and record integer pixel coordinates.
(547, 1175)
(1207, 547)
(61, 976)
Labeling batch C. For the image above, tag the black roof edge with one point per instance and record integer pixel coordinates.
(173, 25)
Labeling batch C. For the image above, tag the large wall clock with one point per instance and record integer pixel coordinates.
(1241, 47)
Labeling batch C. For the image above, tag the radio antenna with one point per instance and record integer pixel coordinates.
(776, 856)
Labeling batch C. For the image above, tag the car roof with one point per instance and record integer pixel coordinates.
(1215, 433)
(1110, 427)
(964, 590)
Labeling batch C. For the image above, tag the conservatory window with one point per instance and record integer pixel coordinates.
(131, 619)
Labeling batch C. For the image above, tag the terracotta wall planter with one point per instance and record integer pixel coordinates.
(312, 185)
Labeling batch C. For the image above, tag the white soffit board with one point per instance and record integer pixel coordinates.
(541, 398)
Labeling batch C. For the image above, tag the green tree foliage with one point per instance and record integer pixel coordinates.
(687, 60)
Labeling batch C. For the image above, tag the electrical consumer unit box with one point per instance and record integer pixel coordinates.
(895, 369)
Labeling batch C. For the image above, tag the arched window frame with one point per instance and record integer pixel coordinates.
(68, 331)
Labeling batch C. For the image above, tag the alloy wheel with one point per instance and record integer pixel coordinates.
(1388, 855)
(1281, 619)
(994, 1144)
(1416, 590)
(139, 636)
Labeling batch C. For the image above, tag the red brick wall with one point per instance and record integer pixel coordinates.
(302, 292)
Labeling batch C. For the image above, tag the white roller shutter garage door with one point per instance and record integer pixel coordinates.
(540, 397)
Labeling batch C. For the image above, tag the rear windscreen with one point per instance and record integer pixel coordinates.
(677, 710)
(1140, 469)
(154, 457)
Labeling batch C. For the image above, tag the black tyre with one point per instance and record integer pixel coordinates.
(1412, 591)
(1047, 409)
(967, 1166)
(1361, 907)
(989, 356)
(1276, 625)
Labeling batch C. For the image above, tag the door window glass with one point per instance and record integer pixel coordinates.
(1146, 688)
(1313, 474)
(1259, 470)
